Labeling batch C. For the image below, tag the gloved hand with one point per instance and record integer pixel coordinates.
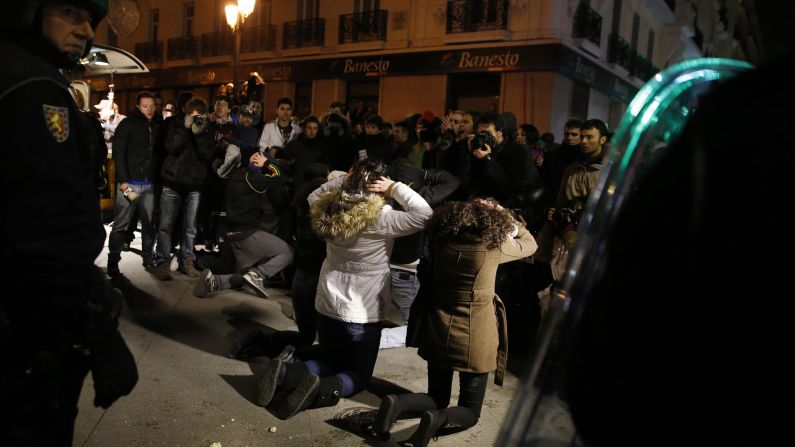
(113, 369)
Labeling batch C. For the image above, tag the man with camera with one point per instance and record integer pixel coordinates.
(133, 153)
(189, 149)
(499, 167)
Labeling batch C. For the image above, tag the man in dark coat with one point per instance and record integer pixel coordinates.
(65, 323)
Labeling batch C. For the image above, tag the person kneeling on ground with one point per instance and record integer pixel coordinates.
(353, 290)
(258, 255)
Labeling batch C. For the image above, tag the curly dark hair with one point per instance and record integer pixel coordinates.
(476, 217)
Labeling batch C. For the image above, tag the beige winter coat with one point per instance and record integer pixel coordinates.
(462, 329)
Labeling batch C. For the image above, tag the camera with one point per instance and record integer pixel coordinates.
(198, 121)
(480, 140)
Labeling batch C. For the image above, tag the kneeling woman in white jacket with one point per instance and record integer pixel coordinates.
(354, 288)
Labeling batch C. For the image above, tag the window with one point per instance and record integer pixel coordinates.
(154, 24)
(616, 27)
(187, 22)
(474, 92)
(366, 5)
(635, 31)
(113, 39)
(650, 52)
(308, 9)
(363, 98)
(580, 95)
(303, 100)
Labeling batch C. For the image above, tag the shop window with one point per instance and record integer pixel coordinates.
(303, 100)
(362, 98)
(478, 92)
(580, 94)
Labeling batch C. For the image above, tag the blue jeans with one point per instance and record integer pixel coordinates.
(405, 286)
(122, 213)
(347, 350)
(170, 203)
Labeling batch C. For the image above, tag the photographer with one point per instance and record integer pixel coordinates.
(499, 167)
(189, 148)
(340, 143)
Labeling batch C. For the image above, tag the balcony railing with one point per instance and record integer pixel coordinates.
(363, 27)
(587, 24)
(640, 66)
(149, 52)
(181, 48)
(218, 44)
(467, 16)
(258, 38)
(304, 33)
(618, 51)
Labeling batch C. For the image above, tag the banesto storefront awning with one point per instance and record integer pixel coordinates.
(542, 57)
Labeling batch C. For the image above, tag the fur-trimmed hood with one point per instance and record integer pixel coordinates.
(338, 215)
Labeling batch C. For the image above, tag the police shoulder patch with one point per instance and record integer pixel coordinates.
(57, 121)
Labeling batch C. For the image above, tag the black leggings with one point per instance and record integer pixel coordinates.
(472, 388)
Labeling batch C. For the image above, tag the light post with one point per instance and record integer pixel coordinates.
(235, 17)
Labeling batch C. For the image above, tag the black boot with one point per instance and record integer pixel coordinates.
(393, 405)
(458, 419)
(286, 406)
(279, 374)
(430, 422)
(312, 392)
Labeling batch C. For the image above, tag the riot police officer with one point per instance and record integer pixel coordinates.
(58, 318)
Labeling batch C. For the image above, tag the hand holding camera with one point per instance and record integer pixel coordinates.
(480, 144)
(199, 124)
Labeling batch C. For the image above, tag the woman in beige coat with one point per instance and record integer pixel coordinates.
(464, 329)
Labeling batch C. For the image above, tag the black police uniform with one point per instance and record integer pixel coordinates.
(56, 319)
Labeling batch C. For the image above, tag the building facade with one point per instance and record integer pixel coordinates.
(542, 60)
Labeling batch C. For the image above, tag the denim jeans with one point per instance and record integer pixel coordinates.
(122, 213)
(170, 203)
(347, 350)
(405, 286)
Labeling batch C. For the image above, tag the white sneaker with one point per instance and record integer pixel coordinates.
(255, 281)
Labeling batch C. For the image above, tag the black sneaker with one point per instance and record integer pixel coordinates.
(113, 268)
(150, 265)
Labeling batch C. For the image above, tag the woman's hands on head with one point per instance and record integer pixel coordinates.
(383, 185)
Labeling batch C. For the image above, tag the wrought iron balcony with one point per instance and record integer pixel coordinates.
(304, 33)
(258, 38)
(587, 24)
(363, 27)
(618, 51)
(641, 67)
(218, 44)
(181, 48)
(466, 16)
(149, 52)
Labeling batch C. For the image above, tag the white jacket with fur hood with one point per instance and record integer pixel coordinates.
(355, 281)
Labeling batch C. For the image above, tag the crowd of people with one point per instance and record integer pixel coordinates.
(338, 209)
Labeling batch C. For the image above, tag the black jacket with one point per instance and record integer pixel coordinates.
(187, 157)
(51, 227)
(133, 148)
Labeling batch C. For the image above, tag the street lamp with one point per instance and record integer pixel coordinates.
(235, 17)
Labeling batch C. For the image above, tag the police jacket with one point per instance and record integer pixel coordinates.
(51, 228)
(133, 148)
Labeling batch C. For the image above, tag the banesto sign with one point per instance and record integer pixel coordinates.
(500, 60)
(379, 65)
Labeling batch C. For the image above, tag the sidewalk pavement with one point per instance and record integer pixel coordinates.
(191, 394)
